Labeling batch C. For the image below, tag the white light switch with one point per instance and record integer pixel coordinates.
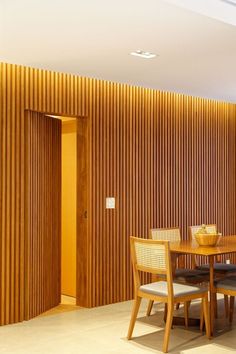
(110, 203)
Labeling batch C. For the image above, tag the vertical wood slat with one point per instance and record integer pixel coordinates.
(43, 145)
(83, 257)
(168, 159)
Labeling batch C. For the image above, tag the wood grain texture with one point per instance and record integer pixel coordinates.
(12, 211)
(43, 206)
(168, 159)
(226, 244)
(83, 255)
(24, 89)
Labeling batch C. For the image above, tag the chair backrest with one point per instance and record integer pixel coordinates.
(153, 257)
(211, 228)
(170, 234)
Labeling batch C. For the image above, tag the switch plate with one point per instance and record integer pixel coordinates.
(110, 203)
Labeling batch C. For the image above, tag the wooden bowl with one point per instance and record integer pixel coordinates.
(207, 239)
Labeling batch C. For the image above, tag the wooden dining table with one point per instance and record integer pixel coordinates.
(226, 245)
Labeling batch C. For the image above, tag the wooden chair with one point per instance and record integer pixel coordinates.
(227, 287)
(189, 276)
(221, 269)
(154, 257)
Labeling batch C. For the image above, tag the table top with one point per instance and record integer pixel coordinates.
(227, 244)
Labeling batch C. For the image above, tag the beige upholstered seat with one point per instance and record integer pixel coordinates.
(160, 288)
(154, 257)
(219, 267)
(228, 283)
(227, 287)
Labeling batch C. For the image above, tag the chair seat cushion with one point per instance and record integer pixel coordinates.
(160, 289)
(190, 272)
(220, 267)
(190, 276)
(187, 273)
(228, 283)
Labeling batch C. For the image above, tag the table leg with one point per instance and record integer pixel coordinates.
(212, 294)
(174, 258)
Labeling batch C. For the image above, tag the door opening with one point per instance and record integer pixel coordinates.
(68, 220)
(57, 198)
(68, 208)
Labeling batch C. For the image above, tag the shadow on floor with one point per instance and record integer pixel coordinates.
(189, 340)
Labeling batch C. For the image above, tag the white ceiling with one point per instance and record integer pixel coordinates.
(223, 10)
(197, 53)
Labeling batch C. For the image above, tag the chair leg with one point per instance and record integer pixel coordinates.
(186, 307)
(149, 309)
(165, 312)
(215, 305)
(206, 316)
(202, 318)
(231, 309)
(168, 327)
(226, 305)
(134, 314)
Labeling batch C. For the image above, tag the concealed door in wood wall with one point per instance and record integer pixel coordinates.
(43, 192)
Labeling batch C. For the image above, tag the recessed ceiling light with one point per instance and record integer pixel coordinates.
(142, 54)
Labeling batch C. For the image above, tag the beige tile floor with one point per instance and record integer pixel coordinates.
(68, 303)
(102, 331)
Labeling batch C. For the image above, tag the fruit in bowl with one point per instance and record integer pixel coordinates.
(204, 238)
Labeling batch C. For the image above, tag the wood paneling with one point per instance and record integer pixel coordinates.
(43, 206)
(12, 211)
(83, 244)
(24, 89)
(168, 159)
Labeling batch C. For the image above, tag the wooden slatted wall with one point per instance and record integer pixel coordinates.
(23, 89)
(12, 211)
(168, 159)
(43, 245)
